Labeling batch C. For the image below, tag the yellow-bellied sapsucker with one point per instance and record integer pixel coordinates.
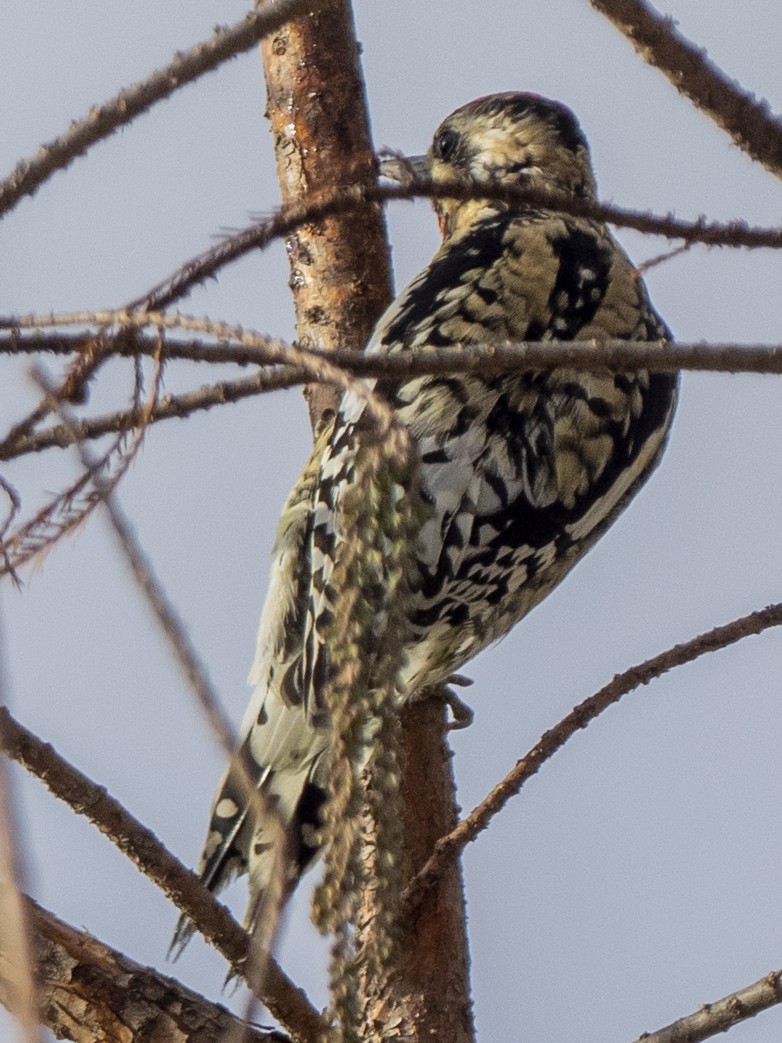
(522, 471)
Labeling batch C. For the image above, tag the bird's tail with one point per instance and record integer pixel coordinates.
(282, 758)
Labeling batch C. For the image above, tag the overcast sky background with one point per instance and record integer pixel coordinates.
(637, 876)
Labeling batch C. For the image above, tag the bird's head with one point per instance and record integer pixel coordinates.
(507, 139)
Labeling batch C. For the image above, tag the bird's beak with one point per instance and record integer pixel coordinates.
(404, 169)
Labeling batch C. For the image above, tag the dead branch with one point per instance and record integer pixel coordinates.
(168, 408)
(656, 38)
(102, 120)
(451, 845)
(317, 364)
(70, 508)
(88, 991)
(658, 357)
(347, 201)
(286, 1002)
(721, 1015)
(615, 355)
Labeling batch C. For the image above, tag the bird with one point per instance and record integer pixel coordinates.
(521, 471)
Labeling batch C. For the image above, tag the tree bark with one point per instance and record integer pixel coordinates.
(340, 267)
(425, 995)
(90, 993)
(340, 278)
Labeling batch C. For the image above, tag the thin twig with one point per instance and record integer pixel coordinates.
(189, 662)
(56, 518)
(170, 407)
(663, 258)
(656, 38)
(15, 506)
(285, 1001)
(103, 120)
(90, 354)
(721, 1015)
(71, 507)
(171, 624)
(449, 847)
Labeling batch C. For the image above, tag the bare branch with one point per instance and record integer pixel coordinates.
(170, 407)
(748, 121)
(285, 1001)
(62, 514)
(449, 846)
(319, 206)
(656, 356)
(88, 991)
(722, 1014)
(316, 365)
(615, 355)
(14, 508)
(90, 355)
(103, 120)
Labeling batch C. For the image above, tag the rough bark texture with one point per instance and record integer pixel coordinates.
(285, 1001)
(426, 996)
(340, 270)
(341, 283)
(91, 994)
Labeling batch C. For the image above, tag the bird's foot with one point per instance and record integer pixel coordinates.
(462, 715)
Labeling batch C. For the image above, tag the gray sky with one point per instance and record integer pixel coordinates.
(637, 876)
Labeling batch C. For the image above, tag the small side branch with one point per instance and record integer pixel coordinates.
(617, 355)
(748, 121)
(451, 845)
(168, 408)
(103, 120)
(326, 204)
(721, 1015)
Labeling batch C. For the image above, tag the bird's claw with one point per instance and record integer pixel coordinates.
(462, 715)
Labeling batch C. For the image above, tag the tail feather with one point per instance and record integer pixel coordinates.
(284, 755)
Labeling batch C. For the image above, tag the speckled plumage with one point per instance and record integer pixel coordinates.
(521, 472)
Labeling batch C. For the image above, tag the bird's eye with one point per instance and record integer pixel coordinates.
(445, 145)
